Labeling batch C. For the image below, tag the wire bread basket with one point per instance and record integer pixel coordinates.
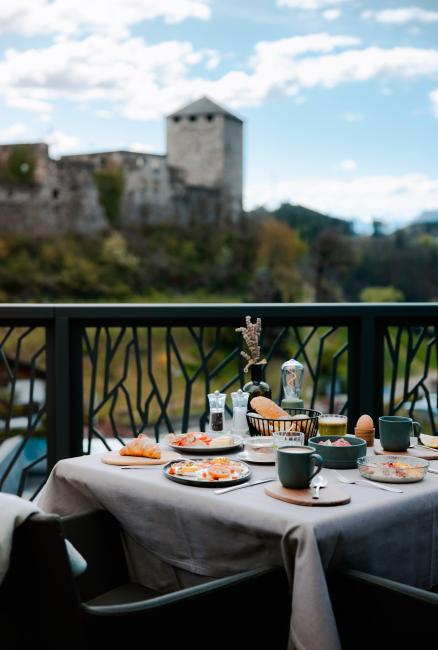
(308, 424)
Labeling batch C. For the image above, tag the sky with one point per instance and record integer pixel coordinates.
(339, 97)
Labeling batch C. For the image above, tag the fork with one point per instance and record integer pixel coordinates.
(344, 479)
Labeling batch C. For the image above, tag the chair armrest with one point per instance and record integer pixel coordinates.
(209, 611)
(404, 612)
(258, 579)
(389, 587)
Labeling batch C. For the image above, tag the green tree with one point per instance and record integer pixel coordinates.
(280, 250)
(110, 184)
(381, 294)
(332, 255)
(20, 165)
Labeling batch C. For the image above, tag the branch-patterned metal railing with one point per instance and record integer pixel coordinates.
(75, 379)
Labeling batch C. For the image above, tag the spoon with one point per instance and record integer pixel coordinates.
(318, 483)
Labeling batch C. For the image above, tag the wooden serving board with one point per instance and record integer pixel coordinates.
(328, 496)
(114, 458)
(416, 452)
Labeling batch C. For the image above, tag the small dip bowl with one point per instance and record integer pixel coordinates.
(260, 448)
(339, 457)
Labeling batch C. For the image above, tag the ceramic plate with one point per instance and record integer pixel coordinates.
(199, 472)
(245, 457)
(203, 449)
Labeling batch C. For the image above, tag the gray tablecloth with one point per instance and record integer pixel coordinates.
(196, 531)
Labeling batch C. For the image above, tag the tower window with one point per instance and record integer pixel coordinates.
(55, 194)
(192, 118)
(176, 119)
(210, 117)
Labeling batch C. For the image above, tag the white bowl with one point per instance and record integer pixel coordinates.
(260, 448)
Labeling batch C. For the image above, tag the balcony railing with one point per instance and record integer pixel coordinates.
(75, 377)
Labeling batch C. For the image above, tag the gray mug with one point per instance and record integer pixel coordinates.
(396, 431)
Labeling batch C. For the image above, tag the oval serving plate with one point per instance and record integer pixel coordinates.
(191, 479)
(238, 442)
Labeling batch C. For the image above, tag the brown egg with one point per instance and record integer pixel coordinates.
(365, 423)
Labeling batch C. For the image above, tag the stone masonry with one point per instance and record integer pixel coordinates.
(200, 177)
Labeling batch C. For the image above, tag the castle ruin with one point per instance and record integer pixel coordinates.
(199, 176)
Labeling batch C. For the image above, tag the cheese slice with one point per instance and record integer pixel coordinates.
(222, 441)
(429, 441)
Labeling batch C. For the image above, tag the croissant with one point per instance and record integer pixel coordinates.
(141, 446)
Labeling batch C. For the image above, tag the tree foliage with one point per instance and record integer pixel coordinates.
(280, 250)
(110, 183)
(20, 165)
(381, 294)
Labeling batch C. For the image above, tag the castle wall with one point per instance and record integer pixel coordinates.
(153, 190)
(59, 199)
(200, 178)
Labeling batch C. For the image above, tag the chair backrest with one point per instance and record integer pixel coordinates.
(97, 537)
(39, 594)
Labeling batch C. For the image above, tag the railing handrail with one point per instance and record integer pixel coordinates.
(270, 311)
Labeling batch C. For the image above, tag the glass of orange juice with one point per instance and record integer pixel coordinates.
(332, 424)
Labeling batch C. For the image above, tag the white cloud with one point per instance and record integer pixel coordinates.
(401, 15)
(399, 198)
(125, 74)
(141, 147)
(348, 165)
(60, 143)
(434, 98)
(11, 133)
(113, 17)
(331, 14)
(141, 81)
(352, 117)
(309, 5)
(104, 114)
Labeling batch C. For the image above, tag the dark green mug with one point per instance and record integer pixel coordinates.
(297, 465)
(396, 431)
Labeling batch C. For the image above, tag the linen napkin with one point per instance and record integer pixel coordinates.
(13, 512)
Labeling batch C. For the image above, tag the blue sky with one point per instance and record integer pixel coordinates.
(339, 97)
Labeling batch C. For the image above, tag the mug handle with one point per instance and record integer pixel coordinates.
(417, 427)
(318, 461)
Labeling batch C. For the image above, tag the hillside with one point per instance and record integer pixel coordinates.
(309, 222)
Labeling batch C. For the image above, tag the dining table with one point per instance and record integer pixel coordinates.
(179, 535)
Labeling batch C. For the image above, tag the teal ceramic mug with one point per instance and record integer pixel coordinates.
(396, 431)
(297, 465)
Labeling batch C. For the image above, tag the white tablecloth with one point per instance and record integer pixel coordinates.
(194, 530)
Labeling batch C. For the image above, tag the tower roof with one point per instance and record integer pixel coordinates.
(204, 106)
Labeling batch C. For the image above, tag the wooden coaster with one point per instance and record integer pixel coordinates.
(114, 458)
(416, 452)
(328, 496)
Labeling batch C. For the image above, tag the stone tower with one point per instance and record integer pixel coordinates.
(205, 141)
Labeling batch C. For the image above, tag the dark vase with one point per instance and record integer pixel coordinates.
(256, 386)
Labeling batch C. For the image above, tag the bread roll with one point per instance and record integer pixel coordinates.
(141, 446)
(267, 408)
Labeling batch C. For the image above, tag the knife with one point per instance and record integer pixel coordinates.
(244, 485)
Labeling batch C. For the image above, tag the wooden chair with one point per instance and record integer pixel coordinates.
(44, 605)
(374, 612)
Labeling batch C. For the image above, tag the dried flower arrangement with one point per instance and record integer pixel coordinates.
(251, 335)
